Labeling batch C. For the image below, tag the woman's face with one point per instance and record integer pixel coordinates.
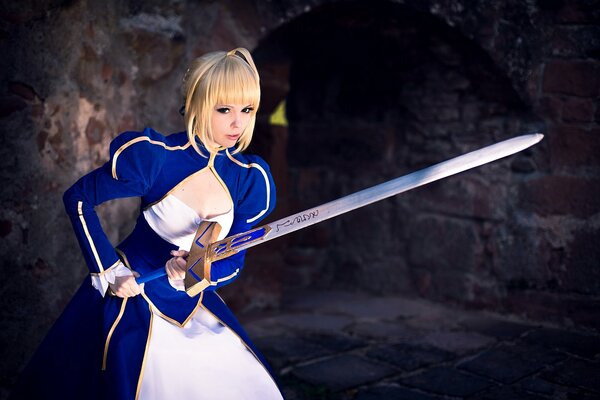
(228, 121)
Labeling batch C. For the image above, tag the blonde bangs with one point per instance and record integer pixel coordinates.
(235, 83)
(220, 79)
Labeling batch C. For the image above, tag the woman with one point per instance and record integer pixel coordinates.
(120, 340)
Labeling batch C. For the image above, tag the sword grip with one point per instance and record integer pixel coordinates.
(150, 276)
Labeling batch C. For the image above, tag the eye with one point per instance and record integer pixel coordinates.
(223, 110)
(248, 110)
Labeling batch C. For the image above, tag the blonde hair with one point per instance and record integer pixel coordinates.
(219, 78)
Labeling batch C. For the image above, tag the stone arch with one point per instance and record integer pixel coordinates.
(373, 93)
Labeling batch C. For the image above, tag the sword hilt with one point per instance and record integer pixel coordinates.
(205, 250)
(197, 264)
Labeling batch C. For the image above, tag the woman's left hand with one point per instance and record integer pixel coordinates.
(176, 265)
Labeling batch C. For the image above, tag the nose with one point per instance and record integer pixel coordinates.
(236, 119)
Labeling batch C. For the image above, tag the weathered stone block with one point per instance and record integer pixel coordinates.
(560, 195)
(576, 12)
(516, 252)
(391, 392)
(579, 41)
(285, 350)
(587, 346)
(335, 342)
(342, 372)
(551, 106)
(538, 385)
(508, 364)
(572, 146)
(580, 273)
(458, 254)
(447, 381)
(456, 342)
(577, 78)
(506, 392)
(578, 109)
(576, 373)
(409, 357)
(157, 42)
(453, 286)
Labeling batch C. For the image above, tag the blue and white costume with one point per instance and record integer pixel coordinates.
(161, 344)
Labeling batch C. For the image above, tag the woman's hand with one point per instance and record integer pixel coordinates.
(176, 266)
(125, 286)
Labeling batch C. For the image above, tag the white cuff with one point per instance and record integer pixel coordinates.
(101, 281)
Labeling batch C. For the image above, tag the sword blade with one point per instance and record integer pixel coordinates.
(373, 194)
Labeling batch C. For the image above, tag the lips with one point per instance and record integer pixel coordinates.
(233, 137)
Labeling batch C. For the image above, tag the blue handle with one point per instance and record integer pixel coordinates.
(151, 276)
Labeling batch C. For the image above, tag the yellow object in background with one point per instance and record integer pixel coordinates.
(278, 116)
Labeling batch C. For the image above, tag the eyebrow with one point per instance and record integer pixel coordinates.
(230, 106)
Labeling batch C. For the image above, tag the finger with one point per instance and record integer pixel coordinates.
(177, 274)
(132, 290)
(128, 287)
(116, 290)
(135, 289)
(170, 270)
(177, 268)
(179, 253)
(180, 263)
(136, 274)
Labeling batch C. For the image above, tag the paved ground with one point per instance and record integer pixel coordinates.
(344, 346)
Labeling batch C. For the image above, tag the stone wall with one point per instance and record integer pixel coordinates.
(519, 236)
(376, 92)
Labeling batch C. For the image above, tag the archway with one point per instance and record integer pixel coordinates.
(372, 93)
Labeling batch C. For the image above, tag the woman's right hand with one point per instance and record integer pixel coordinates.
(125, 286)
(176, 265)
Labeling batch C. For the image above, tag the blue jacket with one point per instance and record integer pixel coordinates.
(106, 338)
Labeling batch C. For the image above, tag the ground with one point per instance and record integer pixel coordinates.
(337, 345)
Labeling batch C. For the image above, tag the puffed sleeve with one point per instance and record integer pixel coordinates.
(135, 161)
(255, 200)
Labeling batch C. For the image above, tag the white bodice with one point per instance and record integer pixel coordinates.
(203, 359)
(177, 223)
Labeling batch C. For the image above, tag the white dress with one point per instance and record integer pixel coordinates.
(204, 359)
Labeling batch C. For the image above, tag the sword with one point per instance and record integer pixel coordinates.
(206, 249)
